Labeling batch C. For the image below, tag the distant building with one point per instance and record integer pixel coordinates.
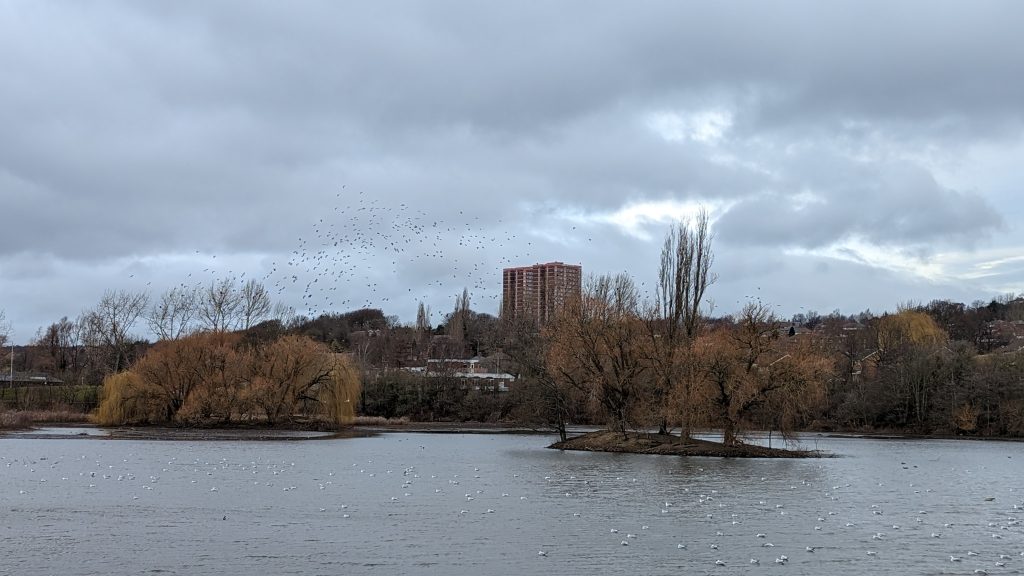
(539, 291)
(482, 374)
(24, 379)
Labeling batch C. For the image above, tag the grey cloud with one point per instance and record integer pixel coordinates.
(825, 199)
(791, 285)
(132, 130)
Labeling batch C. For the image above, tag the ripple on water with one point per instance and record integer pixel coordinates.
(501, 504)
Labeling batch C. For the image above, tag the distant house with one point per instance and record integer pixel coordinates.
(477, 373)
(1002, 336)
(25, 379)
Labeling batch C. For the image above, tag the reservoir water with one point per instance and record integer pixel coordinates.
(405, 503)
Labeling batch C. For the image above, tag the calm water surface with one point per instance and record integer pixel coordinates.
(490, 504)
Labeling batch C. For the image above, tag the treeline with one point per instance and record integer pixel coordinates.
(225, 355)
(939, 368)
(909, 371)
(104, 339)
(611, 356)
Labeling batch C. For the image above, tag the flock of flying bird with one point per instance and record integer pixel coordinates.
(367, 253)
(359, 253)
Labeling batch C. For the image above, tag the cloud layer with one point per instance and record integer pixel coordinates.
(854, 154)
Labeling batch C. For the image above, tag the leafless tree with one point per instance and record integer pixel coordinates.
(225, 306)
(218, 305)
(63, 341)
(171, 316)
(286, 315)
(5, 328)
(423, 328)
(684, 275)
(110, 323)
(423, 318)
(254, 304)
(458, 321)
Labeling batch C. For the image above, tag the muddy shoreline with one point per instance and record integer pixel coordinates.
(67, 430)
(667, 444)
(580, 437)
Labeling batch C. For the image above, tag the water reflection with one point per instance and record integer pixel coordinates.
(470, 504)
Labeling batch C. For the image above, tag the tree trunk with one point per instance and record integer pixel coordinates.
(729, 433)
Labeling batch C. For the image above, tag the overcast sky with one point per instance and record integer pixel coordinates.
(852, 155)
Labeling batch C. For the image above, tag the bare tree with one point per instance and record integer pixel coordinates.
(254, 304)
(423, 318)
(171, 316)
(110, 323)
(225, 306)
(63, 341)
(684, 275)
(5, 328)
(286, 315)
(423, 328)
(458, 321)
(218, 306)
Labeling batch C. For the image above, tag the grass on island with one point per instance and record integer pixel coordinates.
(669, 444)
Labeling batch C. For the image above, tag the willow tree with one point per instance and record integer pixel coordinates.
(337, 396)
(675, 319)
(541, 397)
(295, 376)
(126, 399)
(749, 371)
(218, 377)
(909, 345)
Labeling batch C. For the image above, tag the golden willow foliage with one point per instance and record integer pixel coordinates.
(749, 375)
(596, 346)
(217, 377)
(909, 328)
(124, 400)
(339, 399)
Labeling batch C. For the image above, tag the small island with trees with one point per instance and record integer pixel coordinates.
(655, 373)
